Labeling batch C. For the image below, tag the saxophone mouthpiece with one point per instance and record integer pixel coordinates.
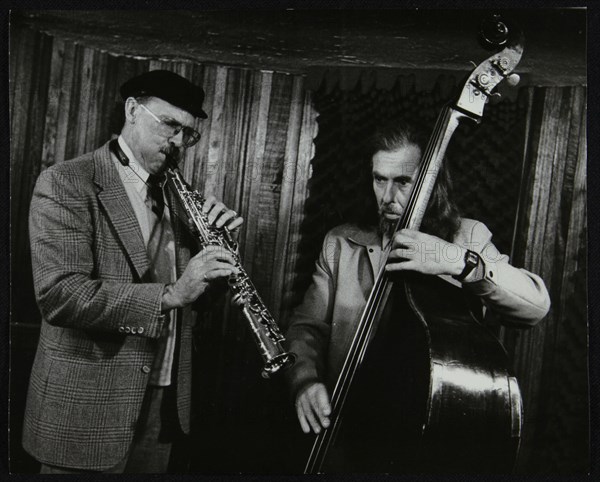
(172, 161)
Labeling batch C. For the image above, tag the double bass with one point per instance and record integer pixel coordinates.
(425, 386)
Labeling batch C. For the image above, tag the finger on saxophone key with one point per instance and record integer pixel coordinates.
(220, 215)
(230, 219)
(215, 252)
(215, 258)
(209, 202)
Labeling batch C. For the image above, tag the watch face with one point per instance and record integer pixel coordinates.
(472, 259)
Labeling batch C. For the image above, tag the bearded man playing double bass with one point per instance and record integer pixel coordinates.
(457, 250)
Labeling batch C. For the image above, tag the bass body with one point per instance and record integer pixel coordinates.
(433, 393)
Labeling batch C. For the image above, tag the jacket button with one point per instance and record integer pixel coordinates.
(121, 329)
(134, 330)
(370, 250)
(141, 330)
(146, 369)
(127, 329)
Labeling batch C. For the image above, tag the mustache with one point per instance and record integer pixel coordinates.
(172, 152)
(390, 209)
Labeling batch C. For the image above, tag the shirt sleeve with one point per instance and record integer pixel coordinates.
(310, 326)
(515, 294)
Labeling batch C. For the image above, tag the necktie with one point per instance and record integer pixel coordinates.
(155, 194)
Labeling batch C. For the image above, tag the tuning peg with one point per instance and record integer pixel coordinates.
(513, 79)
(494, 98)
(493, 33)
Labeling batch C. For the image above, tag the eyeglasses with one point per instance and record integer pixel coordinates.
(170, 128)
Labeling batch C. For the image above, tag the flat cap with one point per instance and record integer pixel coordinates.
(168, 86)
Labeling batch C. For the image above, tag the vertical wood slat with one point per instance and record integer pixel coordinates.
(533, 346)
(566, 372)
(29, 79)
(21, 86)
(81, 107)
(197, 75)
(272, 167)
(29, 113)
(290, 166)
(529, 347)
(97, 126)
(194, 168)
(15, 59)
(553, 220)
(308, 132)
(256, 150)
(72, 135)
(577, 215)
(54, 104)
(215, 167)
(112, 98)
(238, 115)
(64, 93)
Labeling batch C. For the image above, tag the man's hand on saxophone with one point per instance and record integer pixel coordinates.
(213, 262)
(220, 215)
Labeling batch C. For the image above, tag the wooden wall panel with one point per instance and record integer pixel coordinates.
(253, 171)
(303, 173)
(29, 82)
(551, 358)
(291, 173)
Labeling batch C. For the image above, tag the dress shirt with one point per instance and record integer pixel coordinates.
(159, 240)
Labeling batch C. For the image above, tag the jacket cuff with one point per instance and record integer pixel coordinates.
(146, 319)
(300, 377)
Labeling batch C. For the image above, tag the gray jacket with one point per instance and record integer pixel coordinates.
(322, 327)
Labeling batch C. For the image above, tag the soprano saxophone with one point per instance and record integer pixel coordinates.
(264, 329)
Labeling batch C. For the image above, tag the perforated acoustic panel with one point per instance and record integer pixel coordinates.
(485, 160)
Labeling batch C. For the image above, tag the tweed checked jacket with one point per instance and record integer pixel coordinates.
(322, 327)
(100, 317)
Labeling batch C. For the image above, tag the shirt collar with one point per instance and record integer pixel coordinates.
(139, 175)
(365, 237)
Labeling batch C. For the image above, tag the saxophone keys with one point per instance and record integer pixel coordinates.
(238, 299)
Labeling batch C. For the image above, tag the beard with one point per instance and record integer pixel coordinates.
(386, 226)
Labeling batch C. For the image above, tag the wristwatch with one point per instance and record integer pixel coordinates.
(471, 262)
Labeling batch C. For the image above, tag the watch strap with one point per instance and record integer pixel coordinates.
(471, 262)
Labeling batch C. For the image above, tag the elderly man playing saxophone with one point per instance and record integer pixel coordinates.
(115, 278)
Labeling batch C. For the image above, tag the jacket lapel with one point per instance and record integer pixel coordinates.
(114, 199)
